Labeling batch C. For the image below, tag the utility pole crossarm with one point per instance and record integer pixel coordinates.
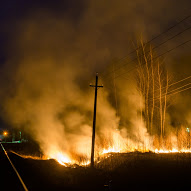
(94, 120)
(96, 86)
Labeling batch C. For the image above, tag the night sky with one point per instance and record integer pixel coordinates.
(14, 12)
(85, 36)
(104, 21)
(50, 53)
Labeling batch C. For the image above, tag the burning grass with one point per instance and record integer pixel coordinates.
(115, 146)
(107, 159)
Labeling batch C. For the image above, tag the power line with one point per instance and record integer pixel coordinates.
(171, 38)
(153, 48)
(174, 83)
(180, 81)
(186, 78)
(151, 41)
(174, 90)
(155, 57)
(180, 87)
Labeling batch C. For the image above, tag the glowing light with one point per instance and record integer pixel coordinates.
(115, 143)
(5, 133)
(85, 163)
(60, 157)
(172, 151)
(111, 150)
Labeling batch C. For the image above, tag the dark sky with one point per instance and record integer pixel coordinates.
(155, 16)
(12, 12)
(84, 34)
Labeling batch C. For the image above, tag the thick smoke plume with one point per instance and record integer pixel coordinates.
(51, 60)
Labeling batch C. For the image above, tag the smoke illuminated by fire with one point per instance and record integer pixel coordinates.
(118, 146)
(48, 71)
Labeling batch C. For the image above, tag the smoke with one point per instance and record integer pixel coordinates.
(52, 55)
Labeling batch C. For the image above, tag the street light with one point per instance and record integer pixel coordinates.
(5, 133)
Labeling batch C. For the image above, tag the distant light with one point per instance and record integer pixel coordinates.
(188, 130)
(5, 133)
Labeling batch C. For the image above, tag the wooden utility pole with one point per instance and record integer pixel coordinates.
(94, 119)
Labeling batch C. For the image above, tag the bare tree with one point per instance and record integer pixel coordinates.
(153, 89)
(160, 100)
(153, 85)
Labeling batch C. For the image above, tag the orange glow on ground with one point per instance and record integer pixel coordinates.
(66, 161)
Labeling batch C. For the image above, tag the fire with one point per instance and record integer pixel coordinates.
(114, 143)
(166, 151)
(61, 158)
(65, 160)
(111, 150)
(172, 151)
